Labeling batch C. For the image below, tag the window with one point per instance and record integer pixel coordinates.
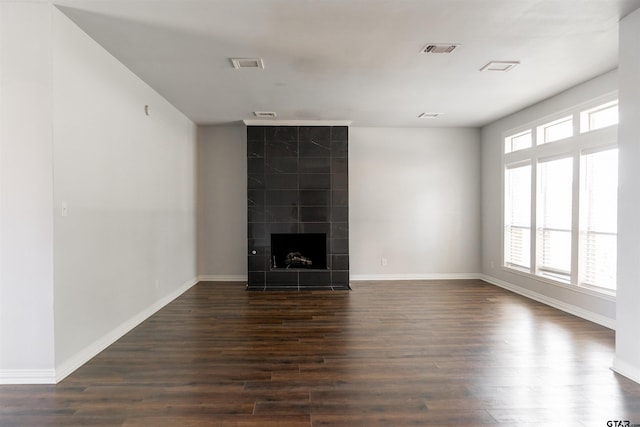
(599, 227)
(599, 117)
(518, 141)
(560, 200)
(556, 130)
(517, 235)
(555, 182)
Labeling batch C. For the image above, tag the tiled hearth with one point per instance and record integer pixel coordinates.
(298, 185)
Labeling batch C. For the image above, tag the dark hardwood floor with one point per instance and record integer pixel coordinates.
(392, 354)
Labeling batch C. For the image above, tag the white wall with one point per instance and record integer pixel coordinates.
(128, 243)
(26, 194)
(628, 316)
(222, 203)
(598, 309)
(414, 197)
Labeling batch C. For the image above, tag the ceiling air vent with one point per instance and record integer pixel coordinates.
(265, 114)
(428, 115)
(439, 48)
(500, 66)
(247, 63)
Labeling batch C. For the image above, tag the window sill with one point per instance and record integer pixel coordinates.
(596, 292)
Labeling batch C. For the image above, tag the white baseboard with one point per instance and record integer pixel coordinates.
(458, 276)
(222, 278)
(560, 305)
(28, 376)
(87, 353)
(50, 376)
(625, 369)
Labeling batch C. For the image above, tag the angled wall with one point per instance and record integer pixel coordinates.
(97, 199)
(124, 198)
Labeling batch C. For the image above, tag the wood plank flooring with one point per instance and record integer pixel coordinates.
(384, 354)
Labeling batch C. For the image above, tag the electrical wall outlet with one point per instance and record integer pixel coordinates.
(383, 261)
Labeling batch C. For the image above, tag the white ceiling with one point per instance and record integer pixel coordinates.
(356, 60)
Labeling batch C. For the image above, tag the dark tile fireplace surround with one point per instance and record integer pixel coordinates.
(298, 207)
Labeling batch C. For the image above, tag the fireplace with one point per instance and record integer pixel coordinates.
(299, 250)
(297, 208)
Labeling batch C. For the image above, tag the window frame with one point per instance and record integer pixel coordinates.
(593, 150)
(512, 166)
(508, 147)
(539, 268)
(580, 142)
(541, 130)
(585, 116)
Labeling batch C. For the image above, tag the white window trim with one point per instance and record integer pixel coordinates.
(540, 129)
(514, 165)
(587, 290)
(585, 115)
(512, 137)
(536, 267)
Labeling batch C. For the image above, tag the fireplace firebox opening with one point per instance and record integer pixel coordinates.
(302, 250)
